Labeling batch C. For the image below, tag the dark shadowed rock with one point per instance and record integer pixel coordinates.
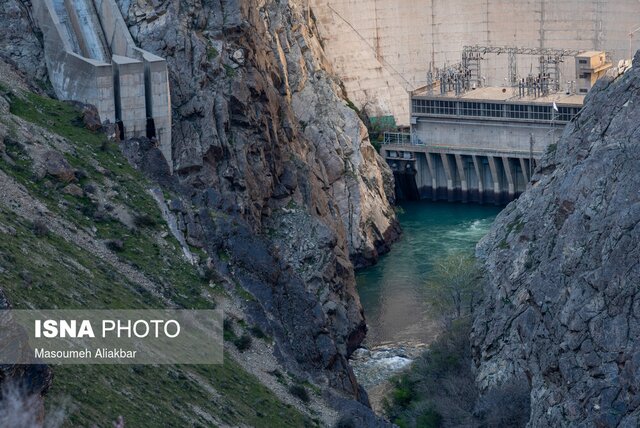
(73, 189)
(91, 118)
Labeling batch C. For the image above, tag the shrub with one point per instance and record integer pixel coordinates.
(429, 419)
(88, 209)
(115, 245)
(40, 228)
(80, 174)
(18, 408)
(454, 286)
(277, 373)
(209, 273)
(345, 422)
(144, 220)
(403, 392)
(506, 405)
(227, 328)
(300, 392)
(212, 52)
(257, 332)
(440, 390)
(243, 342)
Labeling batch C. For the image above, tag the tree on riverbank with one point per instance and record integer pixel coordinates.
(439, 390)
(454, 285)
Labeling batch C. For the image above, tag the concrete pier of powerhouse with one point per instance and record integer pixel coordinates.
(479, 146)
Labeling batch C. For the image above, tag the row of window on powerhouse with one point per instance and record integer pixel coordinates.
(495, 110)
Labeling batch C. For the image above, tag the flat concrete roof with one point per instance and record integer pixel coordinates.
(590, 54)
(502, 95)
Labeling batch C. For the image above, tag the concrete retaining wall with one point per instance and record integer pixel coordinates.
(130, 95)
(91, 57)
(158, 99)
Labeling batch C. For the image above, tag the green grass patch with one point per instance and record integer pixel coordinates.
(229, 71)
(504, 245)
(62, 275)
(153, 396)
(516, 225)
(353, 107)
(223, 255)
(59, 117)
(212, 53)
(244, 294)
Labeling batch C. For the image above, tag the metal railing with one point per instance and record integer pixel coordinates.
(403, 138)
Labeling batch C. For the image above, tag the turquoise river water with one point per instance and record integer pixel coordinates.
(393, 293)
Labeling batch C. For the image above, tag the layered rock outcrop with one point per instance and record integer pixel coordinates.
(19, 41)
(277, 171)
(562, 304)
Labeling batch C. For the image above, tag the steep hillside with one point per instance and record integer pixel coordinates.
(277, 192)
(562, 305)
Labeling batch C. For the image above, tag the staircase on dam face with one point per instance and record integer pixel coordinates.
(91, 57)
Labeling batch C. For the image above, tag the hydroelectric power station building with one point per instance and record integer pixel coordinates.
(472, 143)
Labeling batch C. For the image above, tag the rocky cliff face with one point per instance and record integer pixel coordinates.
(258, 118)
(19, 41)
(562, 304)
(281, 184)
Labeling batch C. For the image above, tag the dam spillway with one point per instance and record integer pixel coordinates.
(462, 175)
(91, 57)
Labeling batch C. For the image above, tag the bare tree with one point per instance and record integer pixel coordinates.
(454, 285)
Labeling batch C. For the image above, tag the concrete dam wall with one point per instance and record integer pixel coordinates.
(91, 57)
(383, 48)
